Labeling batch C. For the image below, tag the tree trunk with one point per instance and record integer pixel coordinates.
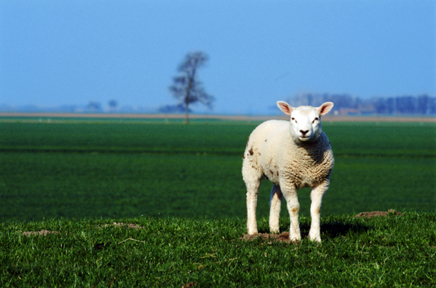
(188, 97)
(186, 113)
(188, 94)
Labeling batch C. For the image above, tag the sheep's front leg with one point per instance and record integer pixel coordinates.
(315, 210)
(275, 206)
(290, 194)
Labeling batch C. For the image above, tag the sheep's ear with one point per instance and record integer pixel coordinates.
(285, 107)
(325, 108)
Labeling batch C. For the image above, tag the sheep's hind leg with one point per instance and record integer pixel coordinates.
(251, 209)
(315, 211)
(252, 178)
(275, 206)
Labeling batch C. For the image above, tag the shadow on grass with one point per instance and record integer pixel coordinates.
(330, 230)
(335, 229)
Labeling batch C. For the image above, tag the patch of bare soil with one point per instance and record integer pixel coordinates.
(121, 224)
(189, 284)
(131, 226)
(283, 237)
(46, 232)
(39, 233)
(378, 214)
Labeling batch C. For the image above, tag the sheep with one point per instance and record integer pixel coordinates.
(292, 154)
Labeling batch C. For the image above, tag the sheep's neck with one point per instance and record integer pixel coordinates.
(313, 151)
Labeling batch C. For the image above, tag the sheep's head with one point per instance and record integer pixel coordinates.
(305, 120)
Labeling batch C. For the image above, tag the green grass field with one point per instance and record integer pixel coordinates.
(182, 188)
(98, 169)
(397, 251)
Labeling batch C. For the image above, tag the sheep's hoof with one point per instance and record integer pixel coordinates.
(252, 232)
(274, 230)
(295, 238)
(316, 238)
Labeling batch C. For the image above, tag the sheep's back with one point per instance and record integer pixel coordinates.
(264, 145)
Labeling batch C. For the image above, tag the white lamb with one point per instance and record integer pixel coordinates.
(292, 155)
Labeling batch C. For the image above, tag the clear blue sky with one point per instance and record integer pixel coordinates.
(71, 52)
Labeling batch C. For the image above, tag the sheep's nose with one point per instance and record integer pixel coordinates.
(304, 132)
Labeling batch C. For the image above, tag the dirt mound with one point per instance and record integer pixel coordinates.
(283, 237)
(378, 214)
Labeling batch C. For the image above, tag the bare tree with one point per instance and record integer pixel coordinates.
(186, 88)
(94, 106)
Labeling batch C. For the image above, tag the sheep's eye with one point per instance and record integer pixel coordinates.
(316, 119)
(293, 119)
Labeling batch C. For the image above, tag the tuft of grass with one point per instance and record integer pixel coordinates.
(392, 251)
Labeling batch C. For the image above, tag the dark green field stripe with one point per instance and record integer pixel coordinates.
(173, 151)
(399, 155)
(119, 151)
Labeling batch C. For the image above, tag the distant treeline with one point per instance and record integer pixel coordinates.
(348, 104)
